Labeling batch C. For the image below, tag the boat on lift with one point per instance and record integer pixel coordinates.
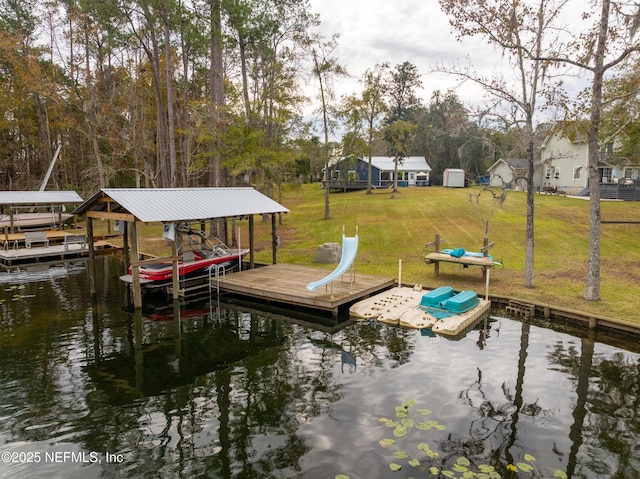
(195, 257)
(37, 219)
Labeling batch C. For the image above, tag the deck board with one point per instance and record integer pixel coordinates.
(286, 283)
(41, 253)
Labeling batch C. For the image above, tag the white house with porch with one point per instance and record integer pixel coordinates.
(565, 160)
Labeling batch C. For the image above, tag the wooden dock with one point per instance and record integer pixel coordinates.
(14, 250)
(286, 284)
(42, 253)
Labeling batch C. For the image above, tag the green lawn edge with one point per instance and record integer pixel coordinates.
(396, 226)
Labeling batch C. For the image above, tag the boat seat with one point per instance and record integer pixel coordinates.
(188, 257)
(433, 298)
(461, 302)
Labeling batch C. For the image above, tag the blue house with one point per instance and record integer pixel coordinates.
(351, 173)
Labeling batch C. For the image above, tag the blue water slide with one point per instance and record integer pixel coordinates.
(349, 250)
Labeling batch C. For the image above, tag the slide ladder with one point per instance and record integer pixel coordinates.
(349, 250)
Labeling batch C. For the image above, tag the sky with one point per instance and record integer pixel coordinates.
(375, 31)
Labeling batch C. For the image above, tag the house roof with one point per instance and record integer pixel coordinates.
(180, 204)
(514, 163)
(409, 163)
(574, 131)
(29, 198)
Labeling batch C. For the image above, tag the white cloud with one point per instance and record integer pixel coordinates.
(376, 31)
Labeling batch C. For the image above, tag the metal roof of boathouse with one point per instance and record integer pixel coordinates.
(180, 204)
(29, 198)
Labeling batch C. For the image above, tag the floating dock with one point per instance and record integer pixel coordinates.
(400, 307)
(286, 284)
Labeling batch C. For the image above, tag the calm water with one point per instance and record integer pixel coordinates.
(91, 390)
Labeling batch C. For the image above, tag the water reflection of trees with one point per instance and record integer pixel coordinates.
(224, 393)
(492, 435)
(604, 434)
(602, 440)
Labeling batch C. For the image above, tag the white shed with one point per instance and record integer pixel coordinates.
(453, 178)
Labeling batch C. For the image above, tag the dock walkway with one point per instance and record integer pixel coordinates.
(41, 253)
(58, 245)
(286, 284)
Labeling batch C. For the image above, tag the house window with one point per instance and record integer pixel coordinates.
(605, 175)
(336, 174)
(547, 173)
(385, 176)
(351, 175)
(556, 173)
(577, 173)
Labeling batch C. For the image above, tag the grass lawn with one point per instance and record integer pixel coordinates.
(393, 227)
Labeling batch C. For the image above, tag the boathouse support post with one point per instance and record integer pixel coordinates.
(125, 246)
(274, 239)
(176, 273)
(251, 243)
(135, 267)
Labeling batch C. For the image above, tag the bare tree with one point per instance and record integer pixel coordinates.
(600, 48)
(518, 29)
(326, 69)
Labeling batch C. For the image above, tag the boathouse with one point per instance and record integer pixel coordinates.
(35, 209)
(131, 206)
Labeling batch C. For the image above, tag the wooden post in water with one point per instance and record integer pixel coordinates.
(92, 256)
(135, 267)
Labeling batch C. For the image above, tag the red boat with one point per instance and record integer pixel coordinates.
(194, 259)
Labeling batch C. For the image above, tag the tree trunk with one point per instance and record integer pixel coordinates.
(369, 173)
(185, 144)
(592, 286)
(245, 82)
(327, 176)
(395, 175)
(529, 253)
(369, 143)
(217, 87)
(171, 128)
